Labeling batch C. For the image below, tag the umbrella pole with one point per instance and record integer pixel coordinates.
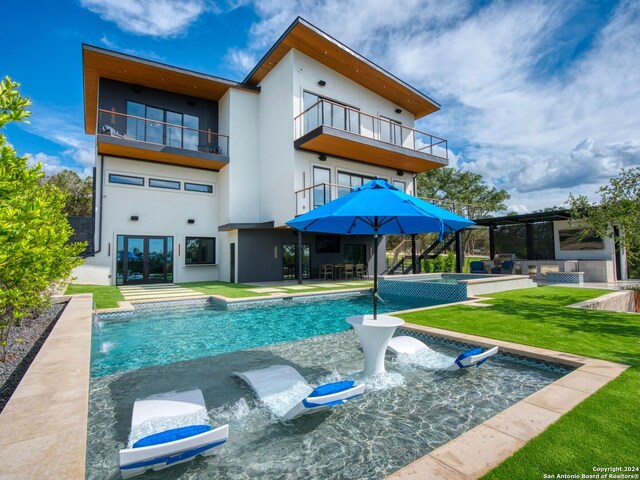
(375, 274)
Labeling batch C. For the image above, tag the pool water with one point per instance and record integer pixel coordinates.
(158, 337)
(401, 416)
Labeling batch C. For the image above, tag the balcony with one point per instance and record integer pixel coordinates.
(337, 130)
(141, 138)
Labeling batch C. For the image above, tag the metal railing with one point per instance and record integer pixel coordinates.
(317, 195)
(147, 130)
(342, 117)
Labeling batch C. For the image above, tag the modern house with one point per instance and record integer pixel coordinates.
(196, 175)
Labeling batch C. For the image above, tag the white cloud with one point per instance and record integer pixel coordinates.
(241, 61)
(62, 128)
(156, 18)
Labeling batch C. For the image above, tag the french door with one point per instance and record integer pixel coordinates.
(144, 259)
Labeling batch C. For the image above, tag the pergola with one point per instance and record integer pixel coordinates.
(527, 220)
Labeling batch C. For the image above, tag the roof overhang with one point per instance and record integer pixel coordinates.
(312, 41)
(101, 63)
(245, 226)
(548, 216)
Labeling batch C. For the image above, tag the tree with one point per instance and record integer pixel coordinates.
(34, 254)
(79, 192)
(461, 186)
(468, 195)
(619, 206)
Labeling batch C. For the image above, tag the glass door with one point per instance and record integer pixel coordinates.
(142, 259)
(290, 261)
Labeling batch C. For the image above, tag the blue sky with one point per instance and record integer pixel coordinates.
(540, 97)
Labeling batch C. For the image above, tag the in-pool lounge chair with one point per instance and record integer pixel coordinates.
(288, 395)
(169, 429)
(411, 346)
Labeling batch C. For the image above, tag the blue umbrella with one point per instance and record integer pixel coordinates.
(379, 208)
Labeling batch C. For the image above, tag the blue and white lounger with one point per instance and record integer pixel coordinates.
(410, 345)
(169, 429)
(288, 395)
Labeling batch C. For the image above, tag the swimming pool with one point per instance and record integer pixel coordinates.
(183, 332)
(401, 417)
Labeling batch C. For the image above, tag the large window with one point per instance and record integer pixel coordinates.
(156, 125)
(200, 251)
(349, 181)
(329, 112)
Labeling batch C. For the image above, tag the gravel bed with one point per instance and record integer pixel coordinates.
(25, 342)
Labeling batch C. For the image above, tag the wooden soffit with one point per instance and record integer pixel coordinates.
(341, 144)
(98, 62)
(311, 41)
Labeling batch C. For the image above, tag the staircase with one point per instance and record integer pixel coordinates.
(432, 251)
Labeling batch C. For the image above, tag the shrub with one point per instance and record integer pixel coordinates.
(34, 253)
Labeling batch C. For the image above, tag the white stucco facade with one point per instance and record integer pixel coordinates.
(253, 189)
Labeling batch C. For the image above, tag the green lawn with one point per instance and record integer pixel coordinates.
(229, 290)
(105, 296)
(601, 431)
(239, 290)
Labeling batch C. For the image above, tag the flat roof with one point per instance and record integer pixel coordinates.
(310, 40)
(536, 217)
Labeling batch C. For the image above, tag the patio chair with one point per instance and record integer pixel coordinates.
(326, 271)
(349, 271)
(169, 429)
(361, 271)
(508, 268)
(287, 394)
(477, 267)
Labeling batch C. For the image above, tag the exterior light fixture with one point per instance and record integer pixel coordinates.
(322, 158)
(134, 218)
(322, 83)
(398, 110)
(191, 221)
(400, 173)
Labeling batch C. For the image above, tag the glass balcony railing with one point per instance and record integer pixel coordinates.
(341, 117)
(145, 130)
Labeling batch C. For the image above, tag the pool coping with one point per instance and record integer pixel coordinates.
(55, 392)
(484, 447)
(129, 305)
(43, 427)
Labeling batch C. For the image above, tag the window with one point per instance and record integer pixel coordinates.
(153, 182)
(126, 180)
(322, 188)
(156, 125)
(200, 251)
(349, 181)
(329, 112)
(196, 187)
(400, 185)
(390, 130)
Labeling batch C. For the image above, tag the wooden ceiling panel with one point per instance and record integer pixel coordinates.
(353, 150)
